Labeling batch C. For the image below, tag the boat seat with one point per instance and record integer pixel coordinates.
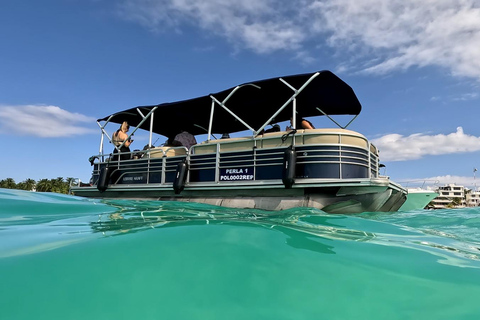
(159, 152)
(203, 148)
(236, 144)
(335, 136)
(226, 145)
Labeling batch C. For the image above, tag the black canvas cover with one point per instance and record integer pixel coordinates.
(253, 105)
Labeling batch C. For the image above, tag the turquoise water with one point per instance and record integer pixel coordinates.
(65, 257)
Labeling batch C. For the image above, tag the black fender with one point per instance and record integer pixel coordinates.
(289, 163)
(104, 178)
(180, 177)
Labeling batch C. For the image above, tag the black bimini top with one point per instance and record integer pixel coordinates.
(255, 103)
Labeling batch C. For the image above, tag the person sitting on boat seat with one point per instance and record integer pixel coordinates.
(186, 139)
(171, 142)
(301, 124)
(119, 137)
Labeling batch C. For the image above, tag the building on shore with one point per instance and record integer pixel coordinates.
(454, 196)
(450, 196)
(472, 198)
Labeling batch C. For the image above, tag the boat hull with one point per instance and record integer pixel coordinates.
(418, 199)
(346, 198)
(335, 170)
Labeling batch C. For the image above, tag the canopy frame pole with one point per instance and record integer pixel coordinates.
(206, 130)
(331, 119)
(292, 98)
(150, 113)
(238, 87)
(294, 114)
(144, 118)
(211, 120)
(104, 133)
(151, 131)
(222, 104)
(101, 146)
(294, 119)
(136, 128)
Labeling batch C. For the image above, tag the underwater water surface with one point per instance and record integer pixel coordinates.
(66, 257)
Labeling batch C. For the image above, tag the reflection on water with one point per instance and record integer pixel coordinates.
(150, 215)
(34, 222)
(304, 229)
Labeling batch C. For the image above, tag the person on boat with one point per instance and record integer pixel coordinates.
(171, 142)
(186, 139)
(119, 137)
(301, 124)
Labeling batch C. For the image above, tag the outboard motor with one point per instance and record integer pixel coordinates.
(180, 177)
(104, 178)
(289, 163)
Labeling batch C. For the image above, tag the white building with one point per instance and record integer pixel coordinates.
(472, 198)
(450, 196)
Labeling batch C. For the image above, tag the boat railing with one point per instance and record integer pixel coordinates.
(321, 154)
(420, 183)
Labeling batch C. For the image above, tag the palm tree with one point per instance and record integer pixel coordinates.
(28, 185)
(44, 185)
(8, 183)
(58, 185)
(456, 202)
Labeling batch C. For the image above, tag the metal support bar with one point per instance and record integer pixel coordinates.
(292, 98)
(233, 114)
(210, 123)
(238, 87)
(294, 114)
(104, 133)
(141, 122)
(140, 112)
(294, 118)
(206, 130)
(292, 87)
(151, 131)
(136, 128)
(343, 127)
(222, 104)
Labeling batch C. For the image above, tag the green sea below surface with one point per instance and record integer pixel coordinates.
(67, 257)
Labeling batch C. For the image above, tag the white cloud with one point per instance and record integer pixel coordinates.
(409, 33)
(381, 36)
(259, 26)
(42, 121)
(396, 147)
(466, 97)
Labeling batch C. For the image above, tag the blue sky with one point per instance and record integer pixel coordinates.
(415, 66)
